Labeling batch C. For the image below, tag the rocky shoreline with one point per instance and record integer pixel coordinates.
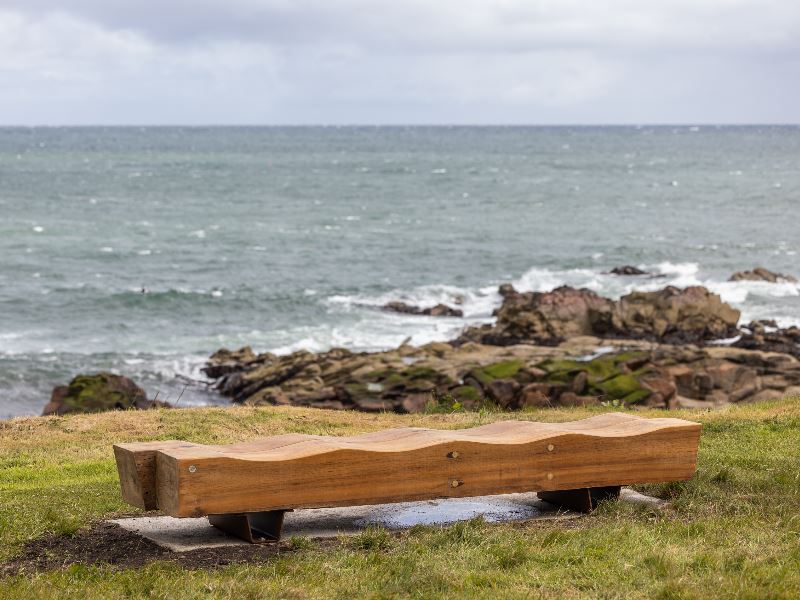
(566, 347)
(669, 348)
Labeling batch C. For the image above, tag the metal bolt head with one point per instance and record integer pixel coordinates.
(550, 447)
(192, 468)
(453, 454)
(549, 475)
(455, 483)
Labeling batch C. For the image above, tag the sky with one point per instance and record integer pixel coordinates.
(278, 62)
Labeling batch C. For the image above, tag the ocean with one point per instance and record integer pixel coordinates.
(143, 250)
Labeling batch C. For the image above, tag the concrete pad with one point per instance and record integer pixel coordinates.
(183, 535)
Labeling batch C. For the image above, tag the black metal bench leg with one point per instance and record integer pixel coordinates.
(582, 500)
(255, 527)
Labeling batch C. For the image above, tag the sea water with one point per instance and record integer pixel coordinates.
(143, 250)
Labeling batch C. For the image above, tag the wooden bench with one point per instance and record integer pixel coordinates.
(246, 488)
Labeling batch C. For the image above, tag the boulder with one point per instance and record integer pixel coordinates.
(273, 396)
(439, 310)
(552, 316)
(415, 403)
(662, 386)
(97, 393)
(762, 274)
(225, 361)
(535, 395)
(442, 310)
(627, 270)
(765, 337)
(671, 315)
(674, 315)
(503, 392)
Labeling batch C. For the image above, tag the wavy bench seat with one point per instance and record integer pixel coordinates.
(397, 465)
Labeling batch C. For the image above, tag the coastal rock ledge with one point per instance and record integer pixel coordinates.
(562, 348)
(580, 371)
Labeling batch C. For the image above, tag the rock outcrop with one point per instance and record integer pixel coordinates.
(762, 274)
(409, 379)
(97, 393)
(547, 317)
(766, 336)
(567, 347)
(670, 315)
(674, 315)
(439, 310)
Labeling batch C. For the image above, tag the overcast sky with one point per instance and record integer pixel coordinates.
(406, 61)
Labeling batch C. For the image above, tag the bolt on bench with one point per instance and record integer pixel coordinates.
(245, 489)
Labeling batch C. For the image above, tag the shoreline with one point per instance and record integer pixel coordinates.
(432, 316)
(566, 347)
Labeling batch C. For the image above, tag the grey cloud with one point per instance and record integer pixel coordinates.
(351, 61)
(465, 25)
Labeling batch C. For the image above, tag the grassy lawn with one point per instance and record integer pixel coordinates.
(731, 532)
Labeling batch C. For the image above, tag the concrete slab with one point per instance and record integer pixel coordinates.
(183, 535)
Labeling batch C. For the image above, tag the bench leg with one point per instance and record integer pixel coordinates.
(255, 527)
(582, 500)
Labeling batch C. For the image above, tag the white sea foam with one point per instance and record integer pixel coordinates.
(475, 303)
(372, 332)
(375, 329)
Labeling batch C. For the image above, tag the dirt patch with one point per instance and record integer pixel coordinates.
(109, 544)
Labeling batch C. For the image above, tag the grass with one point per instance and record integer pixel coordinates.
(731, 532)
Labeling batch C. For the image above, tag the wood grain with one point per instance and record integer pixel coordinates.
(396, 465)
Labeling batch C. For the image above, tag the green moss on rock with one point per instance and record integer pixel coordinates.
(97, 393)
(391, 382)
(606, 375)
(597, 369)
(501, 370)
(619, 387)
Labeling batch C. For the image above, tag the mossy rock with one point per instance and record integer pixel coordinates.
(625, 387)
(606, 375)
(466, 392)
(97, 393)
(468, 396)
(359, 391)
(410, 379)
(618, 387)
(637, 396)
(501, 370)
(598, 369)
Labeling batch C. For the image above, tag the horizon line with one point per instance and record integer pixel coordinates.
(396, 125)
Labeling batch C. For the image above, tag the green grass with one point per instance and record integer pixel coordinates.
(731, 532)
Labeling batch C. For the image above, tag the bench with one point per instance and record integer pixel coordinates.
(246, 488)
